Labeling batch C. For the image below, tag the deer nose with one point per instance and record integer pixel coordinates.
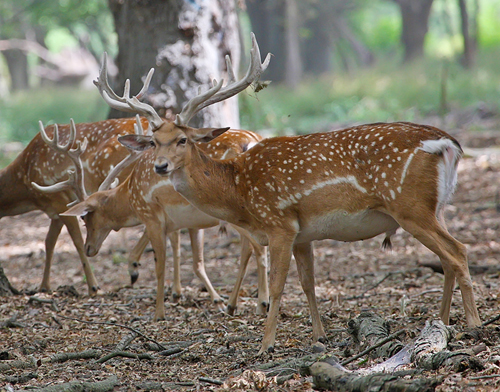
(90, 251)
(161, 167)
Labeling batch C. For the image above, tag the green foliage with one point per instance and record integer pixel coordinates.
(387, 92)
(19, 115)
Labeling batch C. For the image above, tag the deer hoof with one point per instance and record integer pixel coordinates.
(176, 297)
(133, 277)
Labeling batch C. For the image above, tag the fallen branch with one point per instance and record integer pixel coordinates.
(63, 357)
(52, 303)
(125, 354)
(21, 379)
(369, 329)
(116, 325)
(12, 322)
(210, 381)
(16, 364)
(98, 386)
(125, 341)
(375, 346)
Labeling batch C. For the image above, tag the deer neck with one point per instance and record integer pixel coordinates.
(208, 184)
(118, 206)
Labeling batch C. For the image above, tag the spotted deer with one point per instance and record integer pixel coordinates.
(347, 185)
(40, 163)
(147, 198)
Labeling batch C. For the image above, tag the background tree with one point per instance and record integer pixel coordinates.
(468, 25)
(186, 42)
(415, 24)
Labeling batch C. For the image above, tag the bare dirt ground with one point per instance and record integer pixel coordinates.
(351, 277)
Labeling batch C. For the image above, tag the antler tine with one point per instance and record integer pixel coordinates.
(125, 103)
(76, 177)
(54, 142)
(111, 179)
(195, 104)
(230, 70)
(254, 71)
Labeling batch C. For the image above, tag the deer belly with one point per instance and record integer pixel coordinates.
(189, 217)
(344, 226)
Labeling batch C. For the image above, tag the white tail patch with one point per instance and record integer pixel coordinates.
(447, 168)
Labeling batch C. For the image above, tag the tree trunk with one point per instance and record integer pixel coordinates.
(185, 41)
(17, 62)
(293, 68)
(415, 24)
(268, 24)
(6, 288)
(468, 34)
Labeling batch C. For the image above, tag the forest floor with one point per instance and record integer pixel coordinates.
(210, 347)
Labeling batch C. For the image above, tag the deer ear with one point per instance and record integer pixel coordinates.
(136, 142)
(205, 135)
(81, 209)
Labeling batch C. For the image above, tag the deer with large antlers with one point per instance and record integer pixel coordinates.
(147, 198)
(42, 164)
(346, 185)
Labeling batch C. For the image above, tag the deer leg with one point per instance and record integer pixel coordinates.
(50, 243)
(304, 258)
(280, 249)
(134, 257)
(158, 240)
(245, 254)
(175, 242)
(71, 224)
(453, 257)
(196, 236)
(260, 253)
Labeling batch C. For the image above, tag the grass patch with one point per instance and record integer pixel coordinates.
(19, 115)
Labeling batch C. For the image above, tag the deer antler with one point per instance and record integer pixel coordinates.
(126, 103)
(76, 177)
(111, 179)
(218, 93)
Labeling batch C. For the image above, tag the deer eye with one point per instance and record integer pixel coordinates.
(182, 141)
(152, 143)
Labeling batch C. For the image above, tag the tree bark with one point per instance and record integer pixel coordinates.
(468, 35)
(293, 68)
(6, 288)
(17, 63)
(186, 42)
(415, 24)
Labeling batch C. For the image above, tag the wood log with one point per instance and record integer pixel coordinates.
(368, 329)
(427, 352)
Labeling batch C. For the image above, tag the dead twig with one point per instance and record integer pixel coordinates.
(491, 321)
(52, 303)
(125, 354)
(210, 381)
(116, 325)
